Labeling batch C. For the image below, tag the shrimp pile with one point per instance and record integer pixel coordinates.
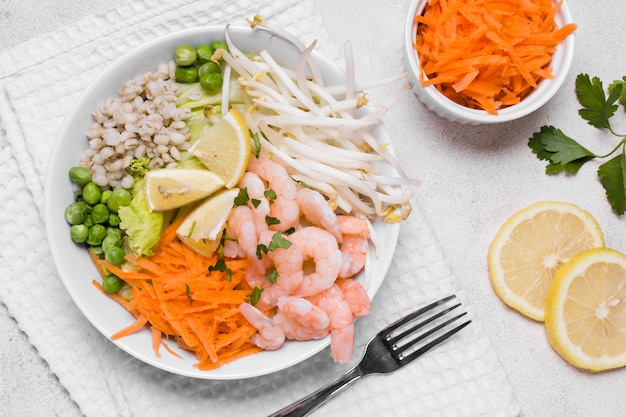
(303, 258)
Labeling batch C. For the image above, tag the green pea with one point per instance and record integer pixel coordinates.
(115, 232)
(110, 241)
(219, 45)
(186, 75)
(97, 233)
(184, 55)
(100, 213)
(76, 212)
(111, 283)
(91, 193)
(211, 82)
(88, 221)
(209, 68)
(79, 233)
(204, 53)
(80, 175)
(115, 255)
(114, 219)
(104, 198)
(120, 197)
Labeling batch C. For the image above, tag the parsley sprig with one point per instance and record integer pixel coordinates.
(564, 154)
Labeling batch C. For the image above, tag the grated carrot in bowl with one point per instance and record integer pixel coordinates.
(488, 54)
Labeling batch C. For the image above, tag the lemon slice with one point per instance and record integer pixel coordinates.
(531, 246)
(168, 189)
(202, 228)
(586, 310)
(225, 148)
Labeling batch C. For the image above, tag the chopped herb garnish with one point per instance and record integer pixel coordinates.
(270, 194)
(278, 241)
(191, 229)
(257, 144)
(272, 275)
(242, 198)
(255, 295)
(221, 266)
(260, 250)
(271, 220)
(188, 292)
(289, 231)
(255, 202)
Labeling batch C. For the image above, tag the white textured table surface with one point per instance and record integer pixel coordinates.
(473, 179)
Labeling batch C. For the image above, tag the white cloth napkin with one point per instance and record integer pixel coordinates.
(461, 378)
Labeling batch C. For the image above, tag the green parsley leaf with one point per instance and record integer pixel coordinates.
(188, 292)
(271, 220)
(597, 109)
(622, 96)
(242, 198)
(565, 154)
(255, 202)
(192, 228)
(255, 295)
(220, 266)
(257, 144)
(278, 241)
(612, 174)
(260, 250)
(272, 275)
(562, 152)
(270, 194)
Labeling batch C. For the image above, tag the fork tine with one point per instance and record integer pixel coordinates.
(410, 317)
(431, 344)
(420, 324)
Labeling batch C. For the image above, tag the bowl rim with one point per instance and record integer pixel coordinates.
(546, 89)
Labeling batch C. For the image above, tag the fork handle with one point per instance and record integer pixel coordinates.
(312, 401)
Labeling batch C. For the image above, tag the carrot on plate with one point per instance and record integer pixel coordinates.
(487, 54)
(176, 296)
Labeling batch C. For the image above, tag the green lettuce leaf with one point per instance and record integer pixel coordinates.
(142, 226)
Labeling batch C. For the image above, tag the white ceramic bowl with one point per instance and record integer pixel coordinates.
(73, 262)
(444, 107)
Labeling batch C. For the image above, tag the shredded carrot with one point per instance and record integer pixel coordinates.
(175, 295)
(488, 54)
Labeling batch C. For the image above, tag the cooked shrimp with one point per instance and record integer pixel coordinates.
(341, 326)
(259, 204)
(288, 263)
(356, 296)
(241, 222)
(285, 206)
(269, 336)
(354, 245)
(296, 331)
(304, 312)
(322, 248)
(316, 210)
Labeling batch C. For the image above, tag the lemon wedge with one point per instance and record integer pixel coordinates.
(202, 229)
(586, 310)
(531, 246)
(168, 189)
(225, 148)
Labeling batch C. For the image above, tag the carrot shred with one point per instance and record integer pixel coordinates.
(173, 293)
(488, 54)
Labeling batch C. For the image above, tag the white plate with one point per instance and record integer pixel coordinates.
(73, 262)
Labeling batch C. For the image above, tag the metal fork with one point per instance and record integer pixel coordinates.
(395, 346)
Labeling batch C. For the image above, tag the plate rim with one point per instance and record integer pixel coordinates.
(52, 219)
